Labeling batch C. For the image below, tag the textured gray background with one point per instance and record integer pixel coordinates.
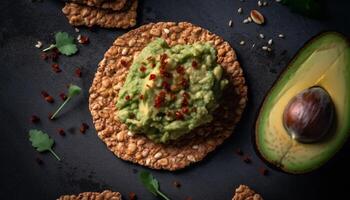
(87, 165)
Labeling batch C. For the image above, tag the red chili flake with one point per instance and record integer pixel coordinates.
(61, 131)
(185, 95)
(49, 99)
(179, 115)
(44, 56)
(152, 77)
(132, 196)
(263, 171)
(246, 159)
(194, 64)
(83, 127)
(239, 152)
(34, 119)
(185, 110)
(159, 99)
(177, 184)
(56, 68)
(39, 161)
(153, 65)
(141, 97)
(83, 39)
(124, 63)
(44, 93)
(127, 97)
(172, 96)
(163, 57)
(143, 69)
(166, 85)
(180, 69)
(78, 72)
(184, 103)
(63, 96)
(184, 82)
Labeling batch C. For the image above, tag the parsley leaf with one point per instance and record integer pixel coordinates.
(64, 43)
(151, 184)
(73, 91)
(42, 142)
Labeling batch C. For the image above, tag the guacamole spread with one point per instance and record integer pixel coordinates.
(170, 91)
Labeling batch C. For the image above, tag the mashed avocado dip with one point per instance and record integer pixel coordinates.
(170, 91)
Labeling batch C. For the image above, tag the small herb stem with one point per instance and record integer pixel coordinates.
(162, 195)
(54, 154)
(49, 48)
(59, 109)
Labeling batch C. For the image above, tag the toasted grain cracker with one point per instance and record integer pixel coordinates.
(105, 195)
(80, 15)
(243, 192)
(111, 75)
(115, 5)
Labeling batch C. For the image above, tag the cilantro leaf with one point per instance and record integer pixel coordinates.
(64, 43)
(73, 90)
(151, 184)
(42, 142)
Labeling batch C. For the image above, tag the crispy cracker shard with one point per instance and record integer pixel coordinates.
(105, 195)
(137, 148)
(243, 192)
(82, 15)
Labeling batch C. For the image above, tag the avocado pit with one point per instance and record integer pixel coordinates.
(309, 115)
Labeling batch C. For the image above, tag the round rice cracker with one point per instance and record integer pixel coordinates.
(137, 148)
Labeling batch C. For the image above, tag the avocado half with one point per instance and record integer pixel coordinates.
(324, 62)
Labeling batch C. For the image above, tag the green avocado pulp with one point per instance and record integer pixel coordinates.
(170, 91)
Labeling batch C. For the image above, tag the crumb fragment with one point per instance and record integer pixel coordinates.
(243, 192)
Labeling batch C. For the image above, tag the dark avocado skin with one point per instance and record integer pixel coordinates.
(339, 136)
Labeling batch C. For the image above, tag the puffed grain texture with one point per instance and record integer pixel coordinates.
(105, 195)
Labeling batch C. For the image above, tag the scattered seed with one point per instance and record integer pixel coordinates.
(61, 131)
(245, 21)
(259, 3)
(34, 119)
(177, 184)
(39, 44)
(263, 171)
(76, 30)
(261, 36)
(281, 36)
(257, 17)
(230, 23)
(83, 127)
(269, 49)
(246, 159)
(132, 196)
(78, 72)
(242, 42)
(265, 3)
(269, 42)
(249, 19)
(39, 161)
(253, 45)
(83, 39)
(239, 152)
(264, 48)
(240, 10)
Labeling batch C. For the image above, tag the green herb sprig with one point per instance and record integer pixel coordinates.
(64, 43)
(151, 184)
(42, 142)
(73, 91)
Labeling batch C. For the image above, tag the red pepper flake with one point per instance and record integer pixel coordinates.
(124, 63)
(49, 99)
(263, 171)
(163, 57)
(172, 96)
(127, 97)
(153, 65)
(177, 184)
(44, 56)
(184, 103)
(56, 68)
(39, 161)
(180, 69)
(194, 64)
(185, 110)
(152, 77)
(184, 83)
(34, 119)
(159, 99)
(63, 96)
(61, 131)
(83, 39)
(179, 115)
(166, 85)
(83, 127)
(246, 159)
(239, 152)
(185, 95)
(143, 69)
(54, 54)
(78, 72)
(132, 196)
(44, 93)
(141, 97)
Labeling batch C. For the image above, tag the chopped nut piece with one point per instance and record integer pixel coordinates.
(257, 17)
(39, 44)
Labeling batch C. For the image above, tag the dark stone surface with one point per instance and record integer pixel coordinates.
(87, 164)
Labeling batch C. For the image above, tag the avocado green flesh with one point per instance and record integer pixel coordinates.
(324, 62)
(169, 91)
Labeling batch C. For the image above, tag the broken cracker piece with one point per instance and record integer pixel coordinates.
(243, 192)
(115, 5)
(105, 195)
